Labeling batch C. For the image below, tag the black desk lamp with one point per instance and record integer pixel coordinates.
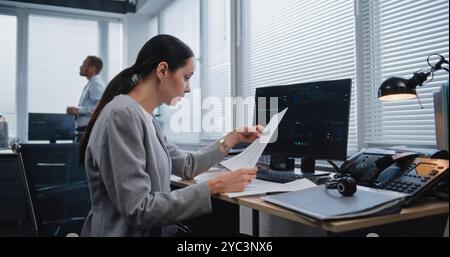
(395, 88)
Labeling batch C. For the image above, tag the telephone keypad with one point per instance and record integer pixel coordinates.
(413, 180)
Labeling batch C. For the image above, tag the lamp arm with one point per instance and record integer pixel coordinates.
(420, 77)
(417, 79)
(438, 65)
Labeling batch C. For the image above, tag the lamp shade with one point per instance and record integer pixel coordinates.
(395, 88)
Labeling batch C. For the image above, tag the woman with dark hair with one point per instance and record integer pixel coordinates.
(129, 161)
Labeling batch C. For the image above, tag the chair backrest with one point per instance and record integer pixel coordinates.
(15, 218)
(56, 187)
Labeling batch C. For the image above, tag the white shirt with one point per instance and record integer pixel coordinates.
(90, 96)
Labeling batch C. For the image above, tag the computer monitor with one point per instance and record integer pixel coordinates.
(315, 125)
(50, 126)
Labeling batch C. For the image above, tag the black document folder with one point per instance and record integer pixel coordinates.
(325, 204)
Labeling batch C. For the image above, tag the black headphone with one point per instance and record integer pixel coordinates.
(345, 185)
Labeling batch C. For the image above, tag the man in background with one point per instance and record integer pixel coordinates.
(92, 92)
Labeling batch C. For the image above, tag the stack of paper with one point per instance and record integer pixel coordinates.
(257, 186)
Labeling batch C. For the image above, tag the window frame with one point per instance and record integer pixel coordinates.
(23, 13)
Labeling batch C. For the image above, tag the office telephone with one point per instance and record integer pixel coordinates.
(406, 172)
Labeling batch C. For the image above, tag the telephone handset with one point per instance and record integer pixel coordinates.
(403, 172)
(365, 167)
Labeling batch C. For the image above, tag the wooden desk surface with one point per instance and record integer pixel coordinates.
(418, 210)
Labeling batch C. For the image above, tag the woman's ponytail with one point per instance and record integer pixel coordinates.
(121, 84)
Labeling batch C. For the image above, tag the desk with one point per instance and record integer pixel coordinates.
(421, 219)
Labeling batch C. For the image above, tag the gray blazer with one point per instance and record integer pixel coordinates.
(128, 168)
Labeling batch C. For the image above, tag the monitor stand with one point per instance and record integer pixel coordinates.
(282, 163)
(285, 163)
(308, 166)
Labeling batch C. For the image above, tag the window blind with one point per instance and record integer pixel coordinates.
(398, 36)
(217, 86)
(296, 41)
(8, 52)
(182, 20)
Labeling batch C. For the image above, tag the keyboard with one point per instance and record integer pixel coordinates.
(267, 174)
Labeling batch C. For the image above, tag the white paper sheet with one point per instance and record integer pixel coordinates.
(258, 187)
(250, 156)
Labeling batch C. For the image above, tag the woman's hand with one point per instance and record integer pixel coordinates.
(234, 181)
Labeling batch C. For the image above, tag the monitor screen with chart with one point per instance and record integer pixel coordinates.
(316, 123)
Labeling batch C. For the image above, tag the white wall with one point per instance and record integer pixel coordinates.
(137, 27)
(136, 33)
(151, 7)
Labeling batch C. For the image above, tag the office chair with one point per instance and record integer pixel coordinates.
(183, 230)
(14, 213)
(56, 187)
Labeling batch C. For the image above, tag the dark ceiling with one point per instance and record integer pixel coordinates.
(116, 6)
